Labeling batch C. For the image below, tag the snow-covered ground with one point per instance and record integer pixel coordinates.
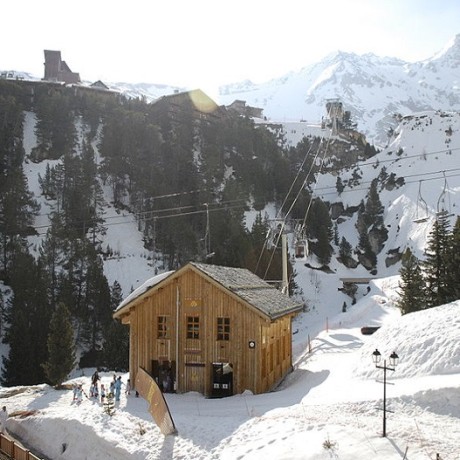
(328, 407)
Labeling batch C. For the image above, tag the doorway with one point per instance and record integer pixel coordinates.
(222, 380)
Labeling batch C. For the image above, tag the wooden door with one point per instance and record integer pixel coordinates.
(195, 377)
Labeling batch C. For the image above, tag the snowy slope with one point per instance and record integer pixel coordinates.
(425, 151)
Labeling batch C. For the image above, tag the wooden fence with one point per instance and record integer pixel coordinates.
(10, 450)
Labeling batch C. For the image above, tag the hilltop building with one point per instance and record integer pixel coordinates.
(337, 118)
(57, 70)
(240, 107)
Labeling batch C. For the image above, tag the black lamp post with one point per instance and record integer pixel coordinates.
(376, 357)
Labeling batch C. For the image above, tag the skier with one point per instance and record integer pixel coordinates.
(117, 386)
(3, 417)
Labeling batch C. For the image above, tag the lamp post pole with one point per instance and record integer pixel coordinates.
(376, 356)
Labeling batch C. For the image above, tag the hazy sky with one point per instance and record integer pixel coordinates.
(205, 43)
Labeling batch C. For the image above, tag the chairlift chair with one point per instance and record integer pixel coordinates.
(301, 249)
(421, 203)
(443, 212)
(301, 243)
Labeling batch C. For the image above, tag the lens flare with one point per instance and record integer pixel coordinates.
(202, 102)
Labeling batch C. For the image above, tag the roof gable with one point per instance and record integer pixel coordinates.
(146, 286)
(240, 282)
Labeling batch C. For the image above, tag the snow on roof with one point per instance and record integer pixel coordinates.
(144, 288)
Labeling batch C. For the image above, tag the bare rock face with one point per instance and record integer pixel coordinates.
(394, 256)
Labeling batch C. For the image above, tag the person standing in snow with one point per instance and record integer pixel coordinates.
(80, 393)
(112, 384)
(128, 387)
(117, 389)
(94, 385)
(102, 393)
(3, 417)
(75, 391)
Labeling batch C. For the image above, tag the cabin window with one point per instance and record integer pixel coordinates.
(163, 327)
(223, 328)
(193, 327)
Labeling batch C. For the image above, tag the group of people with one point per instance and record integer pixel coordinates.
(94, 390)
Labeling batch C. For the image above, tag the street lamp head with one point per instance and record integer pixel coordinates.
(394, 359)
(376, 356)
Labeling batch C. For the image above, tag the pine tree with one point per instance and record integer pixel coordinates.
(345, 250)
(61, 350)
(97, 315)
(436, 264)
(320, 231)
(27, 316)
(412, 284)
(55, 129)
(116, 347)
(116, 337)
(17, 210)
(367, 257)
(339, 185)
(109, 404)
(453, 270)
(373, 211)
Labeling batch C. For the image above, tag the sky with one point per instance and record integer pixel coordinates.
(207, 43)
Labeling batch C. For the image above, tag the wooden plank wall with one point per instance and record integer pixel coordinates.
(255, 369)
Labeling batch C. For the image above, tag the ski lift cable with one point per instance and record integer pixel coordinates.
(307, 211)
(281, 208)
(286, 215)
(305, 181)
(315, 186)
(234, 206)
(308, 173)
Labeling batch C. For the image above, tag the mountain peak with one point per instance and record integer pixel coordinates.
(450, 52)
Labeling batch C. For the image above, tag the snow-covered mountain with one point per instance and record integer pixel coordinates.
(373, 88)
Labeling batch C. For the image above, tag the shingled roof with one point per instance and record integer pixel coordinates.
(252, 289)
(240, 281)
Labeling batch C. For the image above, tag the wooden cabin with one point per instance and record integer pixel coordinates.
(211, 329)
